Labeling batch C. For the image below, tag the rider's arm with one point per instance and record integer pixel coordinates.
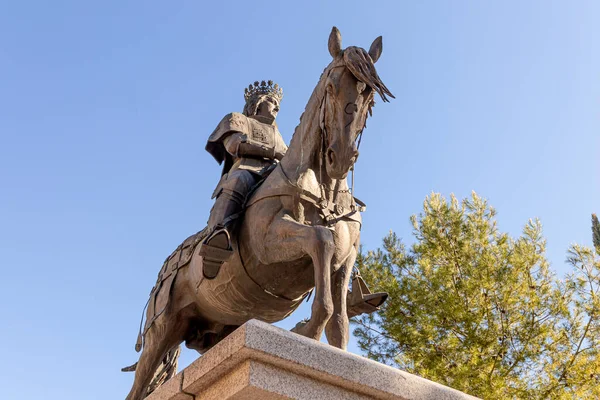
(232, 143)
(280, 151)
(239, 145)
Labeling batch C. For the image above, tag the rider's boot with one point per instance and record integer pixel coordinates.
(216, 248)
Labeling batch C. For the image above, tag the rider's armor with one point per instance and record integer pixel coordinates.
(249, 149)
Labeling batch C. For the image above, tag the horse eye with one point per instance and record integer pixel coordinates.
(351, 108)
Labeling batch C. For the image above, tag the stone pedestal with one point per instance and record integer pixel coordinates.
(263, 362)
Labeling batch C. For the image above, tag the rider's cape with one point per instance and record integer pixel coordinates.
(235, 122)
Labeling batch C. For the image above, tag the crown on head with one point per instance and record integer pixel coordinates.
(263, 87)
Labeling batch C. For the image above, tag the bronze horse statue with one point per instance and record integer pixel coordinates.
(300, 232)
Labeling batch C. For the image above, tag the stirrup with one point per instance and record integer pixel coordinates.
(361, 300)
(215, 250)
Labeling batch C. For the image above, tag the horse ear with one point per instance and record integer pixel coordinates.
(335, 42)
(376, 49)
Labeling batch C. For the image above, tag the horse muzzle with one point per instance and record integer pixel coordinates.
(338, 163)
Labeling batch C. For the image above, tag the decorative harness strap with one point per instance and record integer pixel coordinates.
(329, 211)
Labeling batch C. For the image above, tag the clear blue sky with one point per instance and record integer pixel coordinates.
(105, 108)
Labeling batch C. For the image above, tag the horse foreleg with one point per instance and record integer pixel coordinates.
(289, 240)
(322, 306)
(337, 328)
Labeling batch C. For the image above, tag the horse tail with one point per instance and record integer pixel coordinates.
(166, 370)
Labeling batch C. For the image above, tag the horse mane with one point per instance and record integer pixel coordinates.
(359, 62)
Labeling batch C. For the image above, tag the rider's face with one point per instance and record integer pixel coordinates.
(268, 108)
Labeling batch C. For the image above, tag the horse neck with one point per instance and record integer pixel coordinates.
(304, 161)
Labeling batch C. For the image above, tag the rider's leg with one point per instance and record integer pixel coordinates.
(230, 196)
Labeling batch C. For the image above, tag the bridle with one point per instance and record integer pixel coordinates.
(325, 145)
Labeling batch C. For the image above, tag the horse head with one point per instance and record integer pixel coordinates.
(350, 83)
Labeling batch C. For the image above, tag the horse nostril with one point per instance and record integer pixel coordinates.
(354, 157)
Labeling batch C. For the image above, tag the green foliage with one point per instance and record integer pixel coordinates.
(596, 233)
(474, 309)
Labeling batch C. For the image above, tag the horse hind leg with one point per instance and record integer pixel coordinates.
(165, 334)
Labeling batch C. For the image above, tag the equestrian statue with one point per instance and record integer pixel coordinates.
(284, 224)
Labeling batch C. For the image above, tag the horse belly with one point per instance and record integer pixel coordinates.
(233, 298)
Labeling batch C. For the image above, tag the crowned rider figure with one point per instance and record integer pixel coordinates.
(249, 145)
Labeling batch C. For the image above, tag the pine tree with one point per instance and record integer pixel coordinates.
(596, 233)
(474, 309)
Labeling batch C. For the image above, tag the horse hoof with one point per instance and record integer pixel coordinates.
(298, 328)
